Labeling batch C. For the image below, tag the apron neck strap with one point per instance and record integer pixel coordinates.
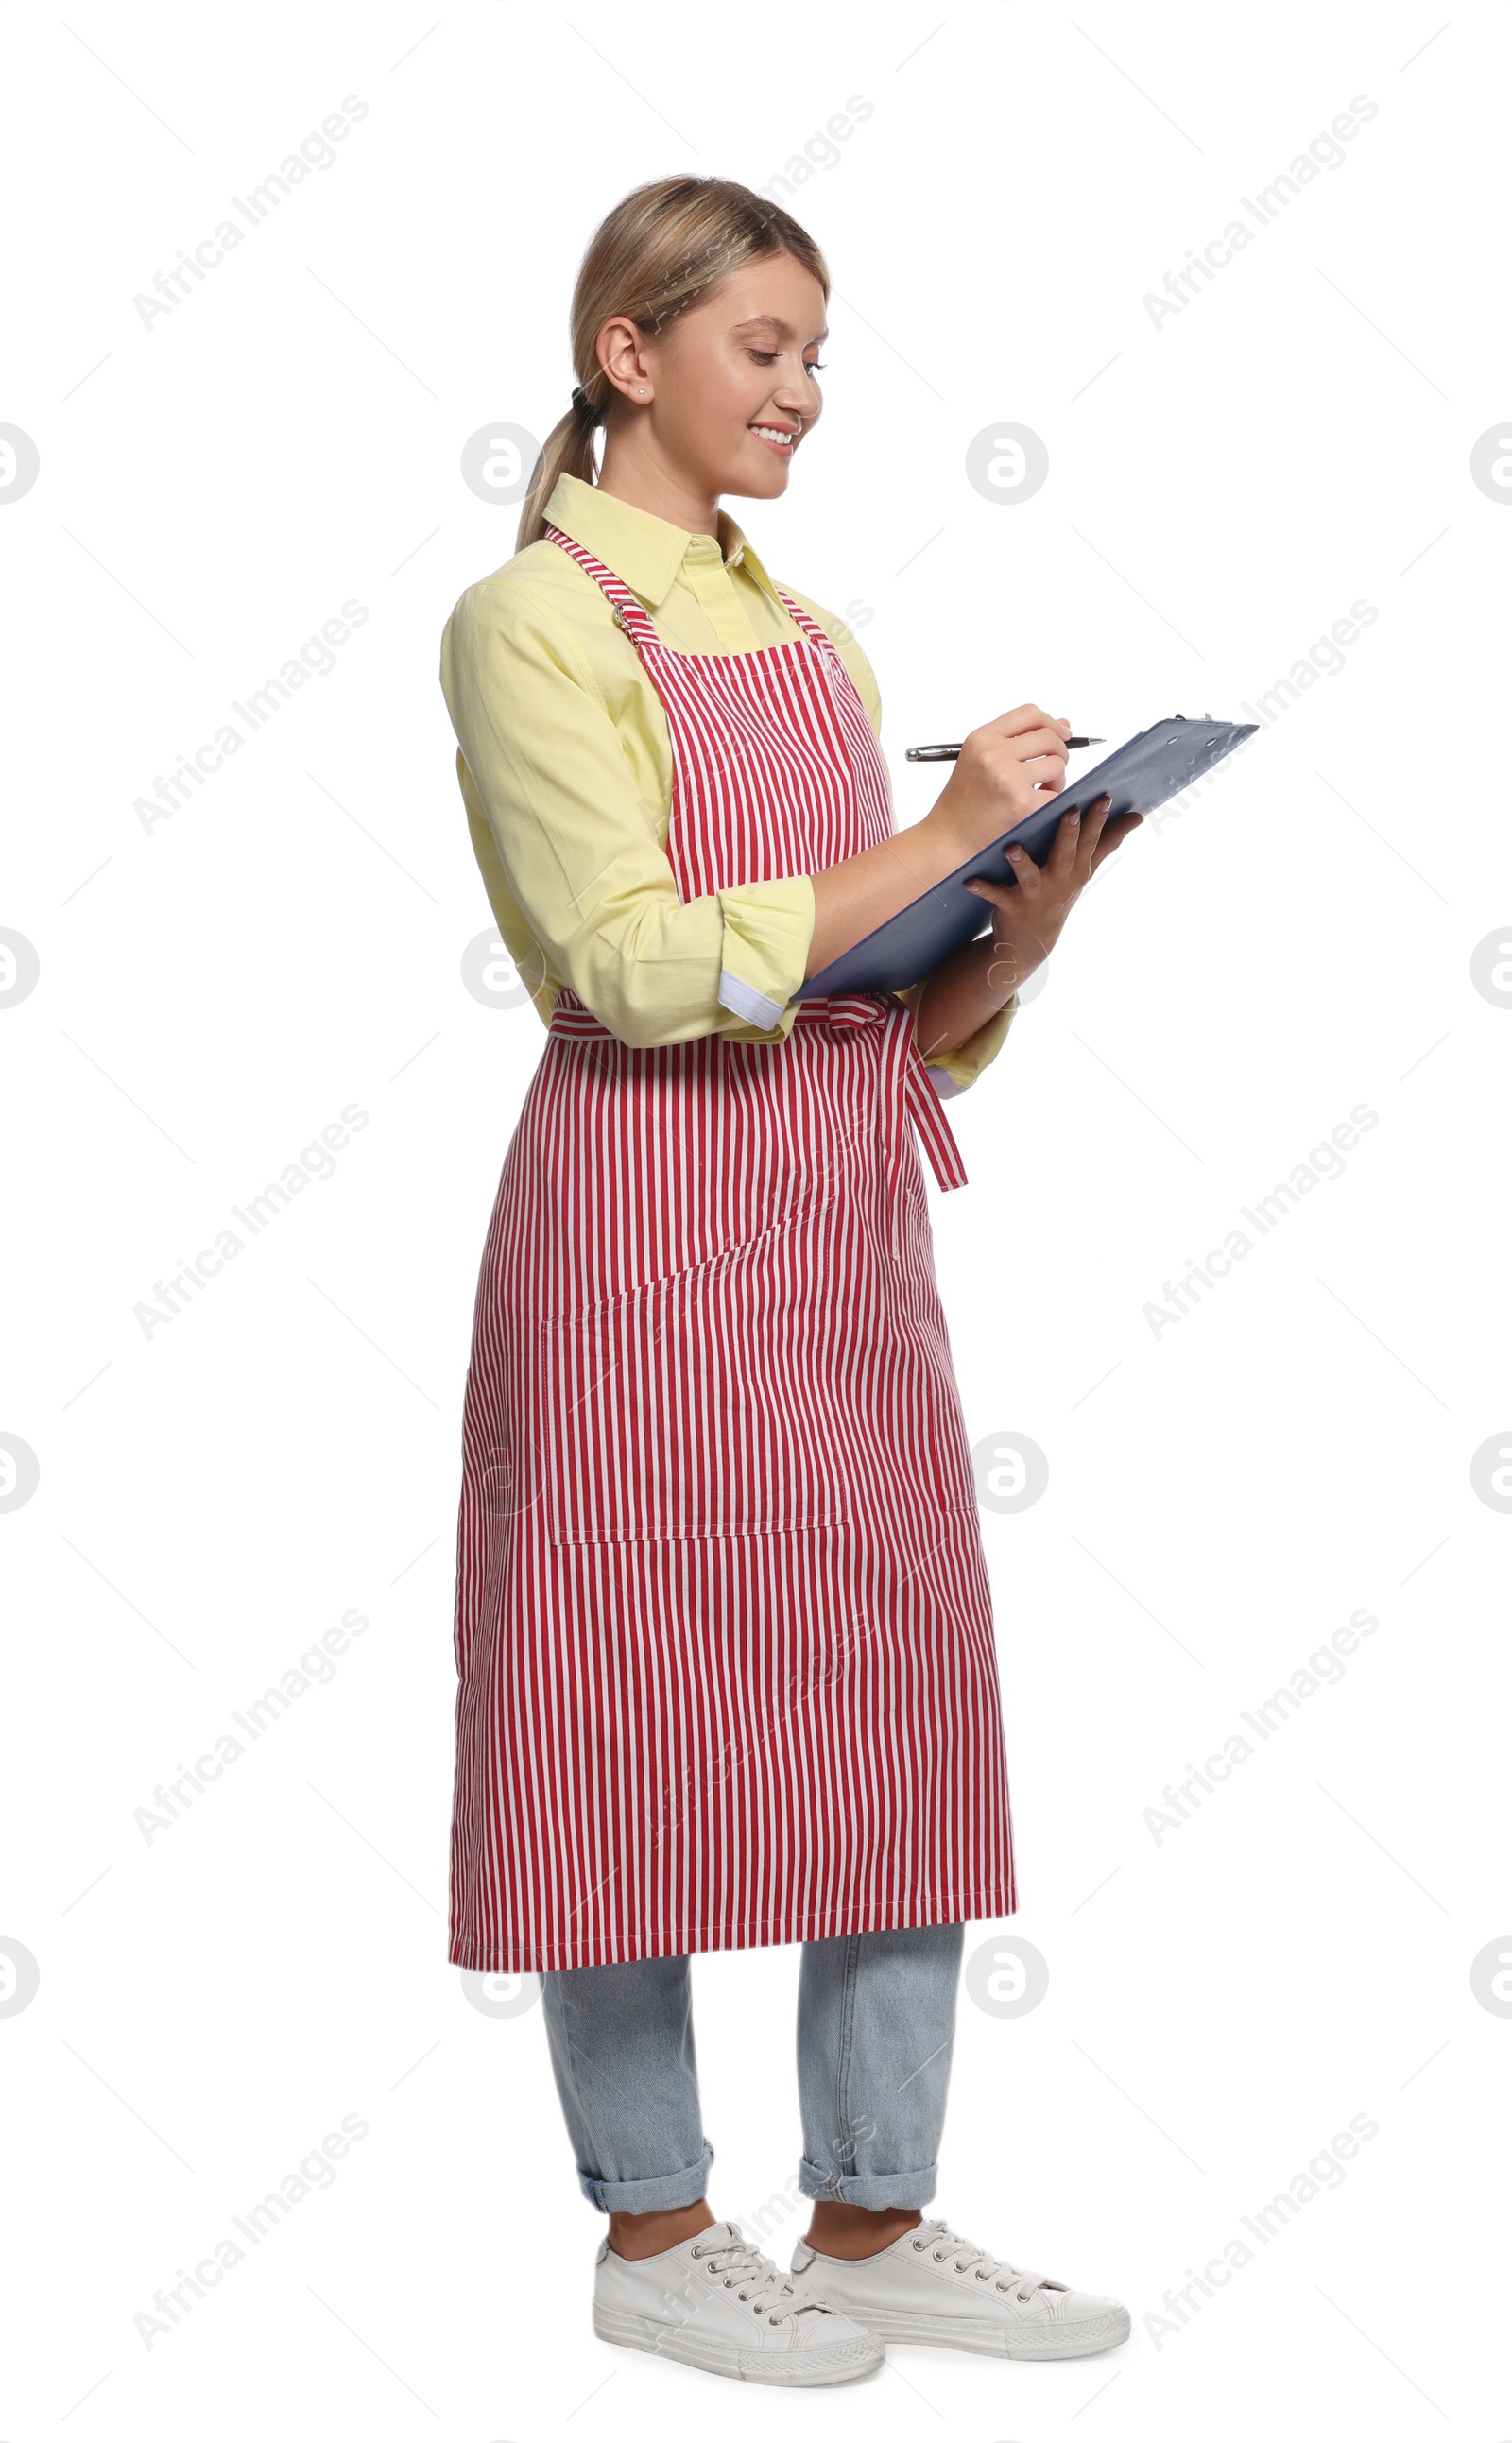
(637, 622)
(800, 619)
(627, 610)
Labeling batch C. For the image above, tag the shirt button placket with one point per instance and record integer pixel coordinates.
(713, 589)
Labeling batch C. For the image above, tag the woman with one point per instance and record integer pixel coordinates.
(723, 1630)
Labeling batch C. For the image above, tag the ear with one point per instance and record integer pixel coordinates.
(620, 347)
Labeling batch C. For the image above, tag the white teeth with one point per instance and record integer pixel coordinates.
(770, 432)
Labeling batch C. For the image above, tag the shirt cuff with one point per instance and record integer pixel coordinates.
(951, 1073)
(768, 927)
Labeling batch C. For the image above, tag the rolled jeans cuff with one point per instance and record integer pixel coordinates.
(659, 2195)
(874, 2189)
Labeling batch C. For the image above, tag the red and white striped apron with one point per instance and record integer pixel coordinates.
(724, 1631)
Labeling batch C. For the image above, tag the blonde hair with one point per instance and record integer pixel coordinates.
(662, 248)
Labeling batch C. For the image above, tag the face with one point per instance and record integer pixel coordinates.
(726, 392)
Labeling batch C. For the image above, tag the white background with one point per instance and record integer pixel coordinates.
(1221, 1498)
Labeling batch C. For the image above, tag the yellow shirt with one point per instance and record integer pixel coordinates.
(565, 764)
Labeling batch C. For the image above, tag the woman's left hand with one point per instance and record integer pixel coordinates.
(1030, 911)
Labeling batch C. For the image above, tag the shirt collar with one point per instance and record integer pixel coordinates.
(648, 553)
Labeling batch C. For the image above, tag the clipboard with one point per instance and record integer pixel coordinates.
(1147, 770)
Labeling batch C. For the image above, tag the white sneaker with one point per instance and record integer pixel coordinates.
(933, 2286)
(716, 2302)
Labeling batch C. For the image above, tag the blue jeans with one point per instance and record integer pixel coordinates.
(876, 2024)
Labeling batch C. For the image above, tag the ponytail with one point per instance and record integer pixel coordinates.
(567, 450)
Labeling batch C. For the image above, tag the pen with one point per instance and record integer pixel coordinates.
(948, 754)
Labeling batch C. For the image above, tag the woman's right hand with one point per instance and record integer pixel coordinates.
(1005, 770)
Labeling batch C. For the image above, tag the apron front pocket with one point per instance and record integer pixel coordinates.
(701, 1404)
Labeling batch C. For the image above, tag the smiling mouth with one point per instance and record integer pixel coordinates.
(776, 436)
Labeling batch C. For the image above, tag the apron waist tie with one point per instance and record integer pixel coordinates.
(912, 1094)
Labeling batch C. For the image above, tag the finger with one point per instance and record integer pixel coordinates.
(1024, 717)
(1027, 873)
(1000, 893)
(1114, 835)
(1062, 860)
(1096, 815)
(1030, 743)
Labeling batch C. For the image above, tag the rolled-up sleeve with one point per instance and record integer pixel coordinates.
(951, 1073)
(578, 846)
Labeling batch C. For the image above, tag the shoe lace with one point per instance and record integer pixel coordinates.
(754, 2277)
(945, 2242)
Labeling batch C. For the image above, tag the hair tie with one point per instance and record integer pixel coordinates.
(586, 406)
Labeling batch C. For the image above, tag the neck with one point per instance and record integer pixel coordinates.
(635, 473)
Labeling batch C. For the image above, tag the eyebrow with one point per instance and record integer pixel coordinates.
(784, 330)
